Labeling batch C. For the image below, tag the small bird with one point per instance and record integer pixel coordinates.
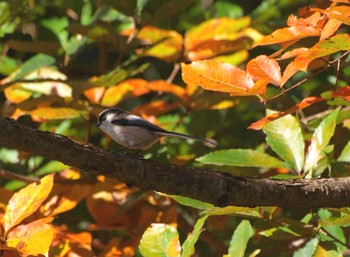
(132, 131)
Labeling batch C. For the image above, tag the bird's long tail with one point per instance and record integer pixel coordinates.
(206, 141)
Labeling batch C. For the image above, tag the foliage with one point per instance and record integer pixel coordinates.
(180, 64)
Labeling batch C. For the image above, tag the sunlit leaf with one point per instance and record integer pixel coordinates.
(285, 138)
(345, 154)
(51, 113)
(306, 102)
(31, 239)
(222, 77)
(340, 13)
(188, 245)
(320, 140)
(165, 44)
(218, 29)
(160, 240)
(340, 42)
(26, 201)
(241, 158)
(263, 67)
(234, 210)
(330, 28)
(308, 249)
(240, 238)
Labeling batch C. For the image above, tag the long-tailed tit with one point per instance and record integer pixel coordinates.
(132, 131)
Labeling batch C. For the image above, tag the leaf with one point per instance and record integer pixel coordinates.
(165, 44)
(306, 102)
(160, 240)
(26, 201)
(240, 238)
(343, 92)
(320, 140)
(215, 29)
(345, 154)
(31, 239)
(34, 63)
(235, 210)
(308, 249)
(285, 138)
(263, 67)
(340, 42)
(241, 158)
(186, 201)
(330, 28)
(188, 245)
(51, 113)
(222, 77)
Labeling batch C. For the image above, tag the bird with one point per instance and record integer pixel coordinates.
(132, 131)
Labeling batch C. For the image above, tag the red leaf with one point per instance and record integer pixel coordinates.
(343, 92)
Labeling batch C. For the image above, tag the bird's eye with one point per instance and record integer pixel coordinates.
(103, 118)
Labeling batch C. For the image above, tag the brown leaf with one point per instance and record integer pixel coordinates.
(343, 92)
(26, 201)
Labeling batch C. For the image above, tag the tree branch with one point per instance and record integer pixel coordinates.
(220, 189)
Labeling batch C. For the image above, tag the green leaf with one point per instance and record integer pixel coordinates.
(235, 210)
(345, 154)
(241, 157)
(285, 138)
(191, 202)
(308, 249)
(320, 140)
(34, 63)
(188, 245)
(160, 240)
(240, 239)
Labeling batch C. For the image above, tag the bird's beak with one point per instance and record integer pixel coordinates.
(98, 124)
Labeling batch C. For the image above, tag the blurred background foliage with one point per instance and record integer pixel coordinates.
(62, 62)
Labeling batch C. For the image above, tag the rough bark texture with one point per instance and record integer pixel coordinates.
(210, 186)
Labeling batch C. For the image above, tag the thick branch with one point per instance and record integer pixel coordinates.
(210, 186)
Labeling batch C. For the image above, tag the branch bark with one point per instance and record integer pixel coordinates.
(220, 189)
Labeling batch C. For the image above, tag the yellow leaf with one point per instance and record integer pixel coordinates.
(31, 239)
(26, 201)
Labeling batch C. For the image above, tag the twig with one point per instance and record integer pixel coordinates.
(308, 77)
(173, 74)
(15, 176)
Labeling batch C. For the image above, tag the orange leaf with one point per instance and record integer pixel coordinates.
(306, 102)
(343, 92)
(298, 28)
(65, 198)
(31, 239)
(330, 28)
(94, 94)
(163, 86)
(340, 42)
(222, 77)
(26, 201)
(263, 67)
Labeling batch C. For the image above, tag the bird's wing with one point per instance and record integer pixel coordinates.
(137, 121)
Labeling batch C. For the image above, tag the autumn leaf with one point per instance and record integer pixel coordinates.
(343, 92)
(222, 77)
(306, 102)
(26, 201)
(298, 29)
(165, 44)
(263, 67)
(31, 239)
